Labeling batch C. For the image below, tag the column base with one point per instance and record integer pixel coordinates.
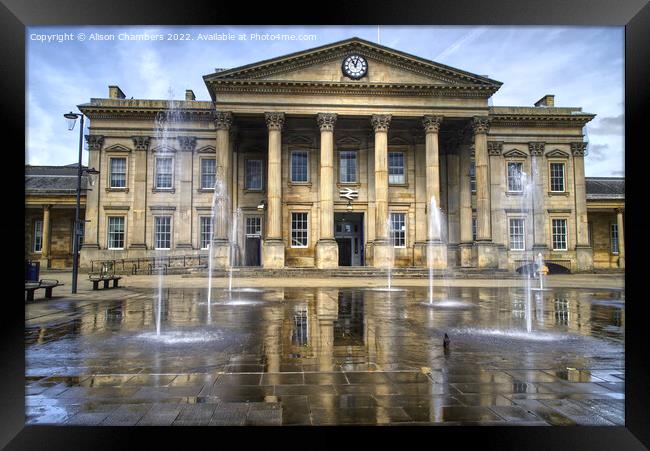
(327, 254)
(45, 263)
(502, 253)
(221, 254)
(436, 255)
(273, 253)
(382, 254)
(466, 255)
(585, 258)
(420, 254)
(486, 255)
(452, 255)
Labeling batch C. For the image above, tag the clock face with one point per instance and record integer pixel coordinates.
(355, 66)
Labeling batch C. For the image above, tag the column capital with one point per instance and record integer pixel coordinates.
(619, 211)
(431, 123)
(380, 122)
(223, 120)
(495, 148)
(188, 143)
(481, 124)
(47, 207)
(579, 149)
(141, 142)
(326, 121)
(274, 121)
(536, 148)
(95, 142)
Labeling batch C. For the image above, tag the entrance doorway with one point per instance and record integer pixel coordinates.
(253, 239)
(348, 232)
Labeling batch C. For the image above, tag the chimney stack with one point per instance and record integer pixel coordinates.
(189, 95)
(547, 100)
(114, 92)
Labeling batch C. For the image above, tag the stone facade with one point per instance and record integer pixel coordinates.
(401, 139)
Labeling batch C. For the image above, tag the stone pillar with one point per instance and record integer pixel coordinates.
(486, 252)
(497, 188)
(420, 248)
(138, 228)
(436, 249)
(621, 238)
(184, 235)
(222, 207)
(327, 251)
(540, 234)
(45, 247)
(466, 238)
(453, 201)
(327, 308)
(273, 250)
(90, 246)
(382, 251)
(584, 252)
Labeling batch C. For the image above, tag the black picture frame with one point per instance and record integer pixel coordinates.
(633, 14)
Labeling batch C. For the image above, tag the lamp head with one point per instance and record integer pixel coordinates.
(71, 118)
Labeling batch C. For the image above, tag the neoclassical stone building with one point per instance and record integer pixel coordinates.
(339, 155)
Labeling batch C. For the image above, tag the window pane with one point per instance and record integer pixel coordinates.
(163, 172)
(557, 176)
(254, 226)
(118, 172)
(162, 232)
(299, 229)
(474, 228)
(398, 229)
(116, 232)
(396, 167)
(514, 177)
(348, 166)
(559, 237)
(206, 231)
(299, 166)
(253, 175)
(614, 238)
(517, 241)
(472, 176)
(38, 235)
(208, 173)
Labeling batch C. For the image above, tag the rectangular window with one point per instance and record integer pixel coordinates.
(474, 228)
(299, 168)
(299, 229)
(253, 175)
(348, 166)
(613, 234)
(398, 229)
(116, 232)
(164, 173)
(590, 233)
(517, 240)
(205, 231)
(557, 177)
(38, 235)
(208, 173)
(514, 177)
(472, 176)
(162, 232)
(559, 237)
(254, 226)
(82, 228)
(118, 172)
(396, 167)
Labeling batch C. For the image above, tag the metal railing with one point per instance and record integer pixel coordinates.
(133, 265)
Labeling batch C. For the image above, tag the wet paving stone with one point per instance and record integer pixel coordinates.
(378, 389)
(160, 415)
(127, 415)
(576, 412)
(230, 414)
(240, 379)
(415, 401)
(242, 393)
(195, 415)
(264, 415)
(87, 419)
(325, 378)
(514, 413)
(282, 379)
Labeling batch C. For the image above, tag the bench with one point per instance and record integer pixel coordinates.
(95, 279)
(47, 284)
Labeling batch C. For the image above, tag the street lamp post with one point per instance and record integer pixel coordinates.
(72, 119)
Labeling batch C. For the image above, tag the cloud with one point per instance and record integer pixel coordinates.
(598, 152)
(608, 126)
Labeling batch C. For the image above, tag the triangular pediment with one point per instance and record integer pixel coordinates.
(323, 65)
(557, 153)
(515, 153)
(300, 139)
(207, 149)
(348, 141)
(117, 148)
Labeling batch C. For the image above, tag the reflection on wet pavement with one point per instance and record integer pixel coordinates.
(328, 356)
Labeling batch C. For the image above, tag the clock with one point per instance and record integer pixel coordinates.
(355, 67)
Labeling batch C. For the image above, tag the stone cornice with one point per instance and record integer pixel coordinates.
(132, 110)
(380, 122)
(431, 123)
(95, 142)
(326, 121)
(274, 121)
(541, 120)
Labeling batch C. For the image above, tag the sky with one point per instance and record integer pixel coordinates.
(581, 66)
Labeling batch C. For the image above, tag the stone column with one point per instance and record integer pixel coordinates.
(420, 248)
(222, 207)
(327, 251)
(486, 252)
(138, 227)
(584, 252)
(621, 238)
(453, 201)
(539, 214)
(382, 251)
(45, 246)
(497, 188)
(184, 218)
(90, 247)
(273, 250)
(436, 249)
(466, 238)
(327, 308)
